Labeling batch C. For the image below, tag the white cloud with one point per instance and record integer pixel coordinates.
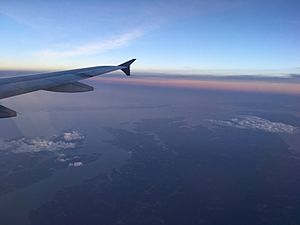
(256, 123)
(75, 164)
(65, 141)
(96, 47)
(73, 136)
(61, 159)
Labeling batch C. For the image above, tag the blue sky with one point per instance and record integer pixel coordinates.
(211, 36)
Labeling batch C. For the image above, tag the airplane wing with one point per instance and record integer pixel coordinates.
(62, 81)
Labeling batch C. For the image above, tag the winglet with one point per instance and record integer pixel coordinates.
(6, 112)
(126, 66)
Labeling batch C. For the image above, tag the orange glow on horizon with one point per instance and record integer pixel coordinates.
(243, 86)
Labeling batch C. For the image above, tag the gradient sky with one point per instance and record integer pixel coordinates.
(222, 36)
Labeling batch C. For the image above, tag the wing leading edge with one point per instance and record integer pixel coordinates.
(61, 81)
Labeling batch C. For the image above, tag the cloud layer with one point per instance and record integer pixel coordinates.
(65, 141)
(256, 123)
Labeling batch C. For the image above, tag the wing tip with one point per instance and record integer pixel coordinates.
(6, 112)
(126, 66)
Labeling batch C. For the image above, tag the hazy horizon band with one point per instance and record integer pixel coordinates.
(222, 85)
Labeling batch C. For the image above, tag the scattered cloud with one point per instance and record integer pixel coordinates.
(75, 164)
(73, 136)
(256, 123)
(59, 159)
(74, 161)
(65, 141)
(96, 47)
